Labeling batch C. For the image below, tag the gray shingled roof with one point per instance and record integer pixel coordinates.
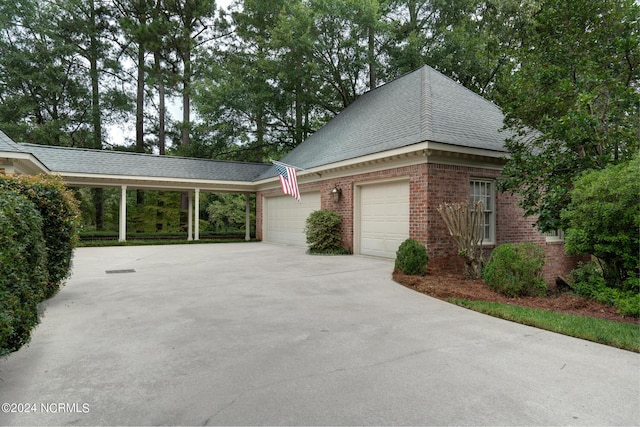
(104, 162)
(420, 106)
(6, 144)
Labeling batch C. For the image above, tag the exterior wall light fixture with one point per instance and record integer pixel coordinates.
(336, 193)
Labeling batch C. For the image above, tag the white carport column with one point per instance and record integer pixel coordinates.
(123, 214)
(190, 218)
(197, 212)
(247, 217)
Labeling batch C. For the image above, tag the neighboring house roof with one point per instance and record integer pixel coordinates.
(423, 105)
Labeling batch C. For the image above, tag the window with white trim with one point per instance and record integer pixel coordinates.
(482, 191)
(554, 236)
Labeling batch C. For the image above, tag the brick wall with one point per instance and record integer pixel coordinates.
(513, 226)
(432, 184)
(557, 263)
(344, 207)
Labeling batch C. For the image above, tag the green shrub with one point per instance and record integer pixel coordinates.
(515, 269)
(587, 281)
(59, 211)
(604, 220)
(628, 304)
(412, 258)
(323, 232)
(23, 269)
(227, 211)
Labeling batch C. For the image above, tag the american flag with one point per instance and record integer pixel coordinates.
(288, 179)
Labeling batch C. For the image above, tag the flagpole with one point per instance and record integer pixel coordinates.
(289, 166)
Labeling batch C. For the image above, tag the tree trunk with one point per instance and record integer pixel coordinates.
(465, 226)
(140, 113)
(140, 207)
(298, 107)
(372, 60)
(98, 193)
(260, 130)
(140, 101)
(161, 105)
(98, 203)
(186, 97)
(472, 269)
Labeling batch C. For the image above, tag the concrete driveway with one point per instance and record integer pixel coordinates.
(259, 334)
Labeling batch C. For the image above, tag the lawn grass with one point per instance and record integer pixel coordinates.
(616, 334)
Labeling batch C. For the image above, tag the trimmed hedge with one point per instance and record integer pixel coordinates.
(23, 269)
(60, 213)
(515, 269)
(412, 258)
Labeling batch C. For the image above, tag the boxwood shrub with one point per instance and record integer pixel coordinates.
(515, 269)
(412, 258)
(23, 269)
(60, 213)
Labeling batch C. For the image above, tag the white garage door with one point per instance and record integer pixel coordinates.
(285, 218)
(384, 218)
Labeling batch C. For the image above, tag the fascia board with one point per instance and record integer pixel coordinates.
(318, 173)
(159, 183)
(423, 152)
(468, 151)
(26, 158)
(404, 156)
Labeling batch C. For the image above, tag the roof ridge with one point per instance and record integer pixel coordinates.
(393, 80)
(426, 105)
(59, 147)
(477, 95)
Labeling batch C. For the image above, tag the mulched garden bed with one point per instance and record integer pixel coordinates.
(442, 285)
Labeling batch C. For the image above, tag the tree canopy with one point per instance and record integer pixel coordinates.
(253, 80)
(573, 100)
(246, 82)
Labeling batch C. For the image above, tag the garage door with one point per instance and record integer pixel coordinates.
(285, 218)
(384, 218)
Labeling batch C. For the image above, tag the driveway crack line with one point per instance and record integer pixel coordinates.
(309, 376)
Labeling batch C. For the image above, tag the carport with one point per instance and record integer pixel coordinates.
(125, 170)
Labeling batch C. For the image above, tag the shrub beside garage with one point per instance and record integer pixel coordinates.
(38, 231)
(323, 232)
(412, 258)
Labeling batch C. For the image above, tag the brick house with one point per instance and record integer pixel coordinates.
(384, 164)
(394, 156)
